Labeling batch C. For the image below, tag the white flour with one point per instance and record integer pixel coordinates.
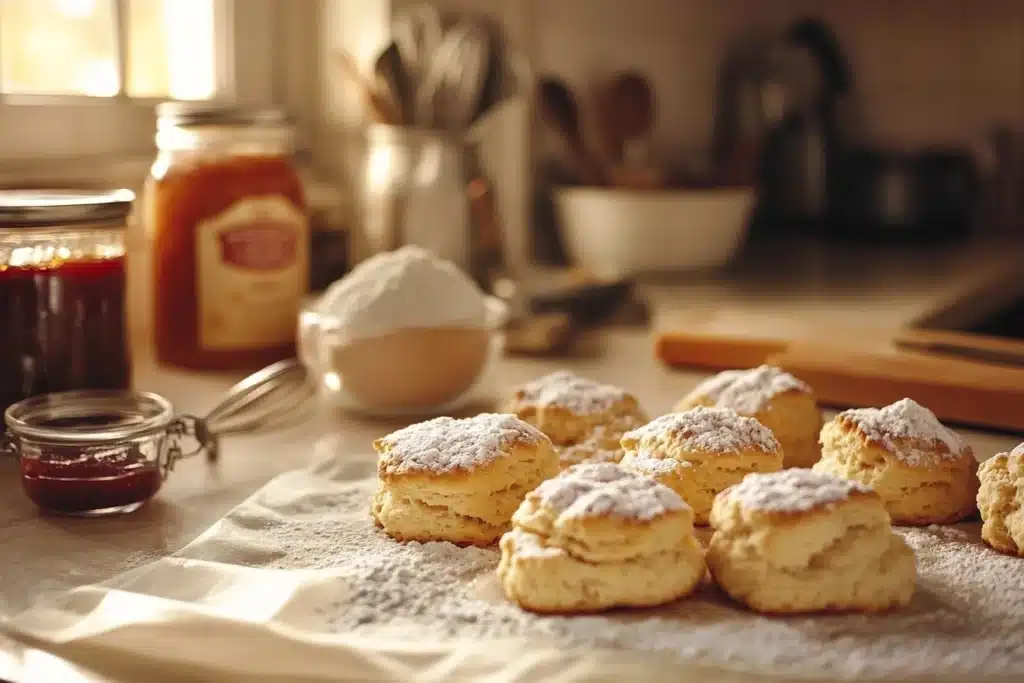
(966, 619)
(402, 289)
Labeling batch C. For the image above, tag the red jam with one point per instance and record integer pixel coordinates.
(89, 480)
(63, 328)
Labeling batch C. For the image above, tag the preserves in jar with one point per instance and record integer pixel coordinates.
(62, 293)
(229, 235)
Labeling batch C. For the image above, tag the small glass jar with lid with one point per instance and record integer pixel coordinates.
(62, 292)
(229, 236)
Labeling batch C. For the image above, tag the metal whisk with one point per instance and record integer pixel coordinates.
(278, 396)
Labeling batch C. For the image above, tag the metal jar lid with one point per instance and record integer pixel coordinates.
(217, 113)
(46, 208)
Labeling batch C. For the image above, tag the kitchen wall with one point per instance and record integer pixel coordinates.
(941, 71)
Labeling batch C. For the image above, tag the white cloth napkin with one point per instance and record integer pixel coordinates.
(246, 599)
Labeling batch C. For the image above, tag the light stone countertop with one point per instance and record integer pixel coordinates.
(46, 554)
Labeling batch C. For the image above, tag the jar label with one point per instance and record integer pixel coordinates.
(253, 268)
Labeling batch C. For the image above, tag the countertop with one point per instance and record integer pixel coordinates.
(44, 554)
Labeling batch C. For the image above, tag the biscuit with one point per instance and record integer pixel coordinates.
(923, 471)
(583, 418)
(598, 537)
(776, 399)
(701, 452)
(804, 541)
(1001, 501)
(458, 480)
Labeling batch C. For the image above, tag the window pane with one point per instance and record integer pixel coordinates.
(58, 47)
(171, 49)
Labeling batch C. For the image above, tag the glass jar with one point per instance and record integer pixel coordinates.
(96, 453)
(62, 292)
(229, 234)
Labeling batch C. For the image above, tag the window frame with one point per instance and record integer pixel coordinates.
(76, 126)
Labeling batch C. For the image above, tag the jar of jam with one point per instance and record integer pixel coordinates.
(62, 292)
(97, 453)
(94, 453)
(229, 235)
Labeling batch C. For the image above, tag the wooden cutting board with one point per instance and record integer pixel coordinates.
(956, 375)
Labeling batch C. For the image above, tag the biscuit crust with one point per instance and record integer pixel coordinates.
(824, 548)
(1001, 501)
(921, 479)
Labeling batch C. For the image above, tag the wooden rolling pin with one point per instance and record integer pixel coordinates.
(958, 391)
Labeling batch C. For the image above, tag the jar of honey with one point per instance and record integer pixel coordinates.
(229, 237)
(62, 292)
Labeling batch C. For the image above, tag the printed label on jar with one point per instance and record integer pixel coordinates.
(253, 267)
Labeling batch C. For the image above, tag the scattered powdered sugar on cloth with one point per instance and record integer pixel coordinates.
(749, 391)
(793, 490)
(712, 430)
(966, 619)
(909, 431)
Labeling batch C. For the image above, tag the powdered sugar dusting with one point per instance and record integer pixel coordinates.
(446, 444)
(966, 621)
(1019, 450)
(909, 431)
(793, 490)
(749, 391)
(532, 545)
(606, 489)
(712, 430)
(567, 390)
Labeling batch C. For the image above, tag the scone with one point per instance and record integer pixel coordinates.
(701, 452)
(598, 537)
(1001, 501)
(923, 471)
(804, 541)
(584, 419)
(776, 399)
(458, 480)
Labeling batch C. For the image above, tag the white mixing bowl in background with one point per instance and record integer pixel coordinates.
(617, 233)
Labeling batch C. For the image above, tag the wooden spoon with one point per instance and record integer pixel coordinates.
(633, 98)
(558, 108)
(381, 106)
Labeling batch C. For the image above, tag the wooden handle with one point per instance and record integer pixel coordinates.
(957, 391)
(714, 352)
(382, 108)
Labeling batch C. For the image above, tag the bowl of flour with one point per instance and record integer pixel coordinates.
(404, 333)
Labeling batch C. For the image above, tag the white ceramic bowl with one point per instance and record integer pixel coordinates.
(619, 232)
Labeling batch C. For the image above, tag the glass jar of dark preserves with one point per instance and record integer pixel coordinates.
(62, 292)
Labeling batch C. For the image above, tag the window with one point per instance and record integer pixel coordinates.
(79, 78)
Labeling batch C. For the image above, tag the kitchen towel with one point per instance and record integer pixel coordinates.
(297, 585)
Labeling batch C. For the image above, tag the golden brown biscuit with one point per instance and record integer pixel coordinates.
(701, 452)
(1001, 501)
(776, 399)
(805, 541)
(458, 480)
(598, 537)
(583, 418)
(923, 471)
